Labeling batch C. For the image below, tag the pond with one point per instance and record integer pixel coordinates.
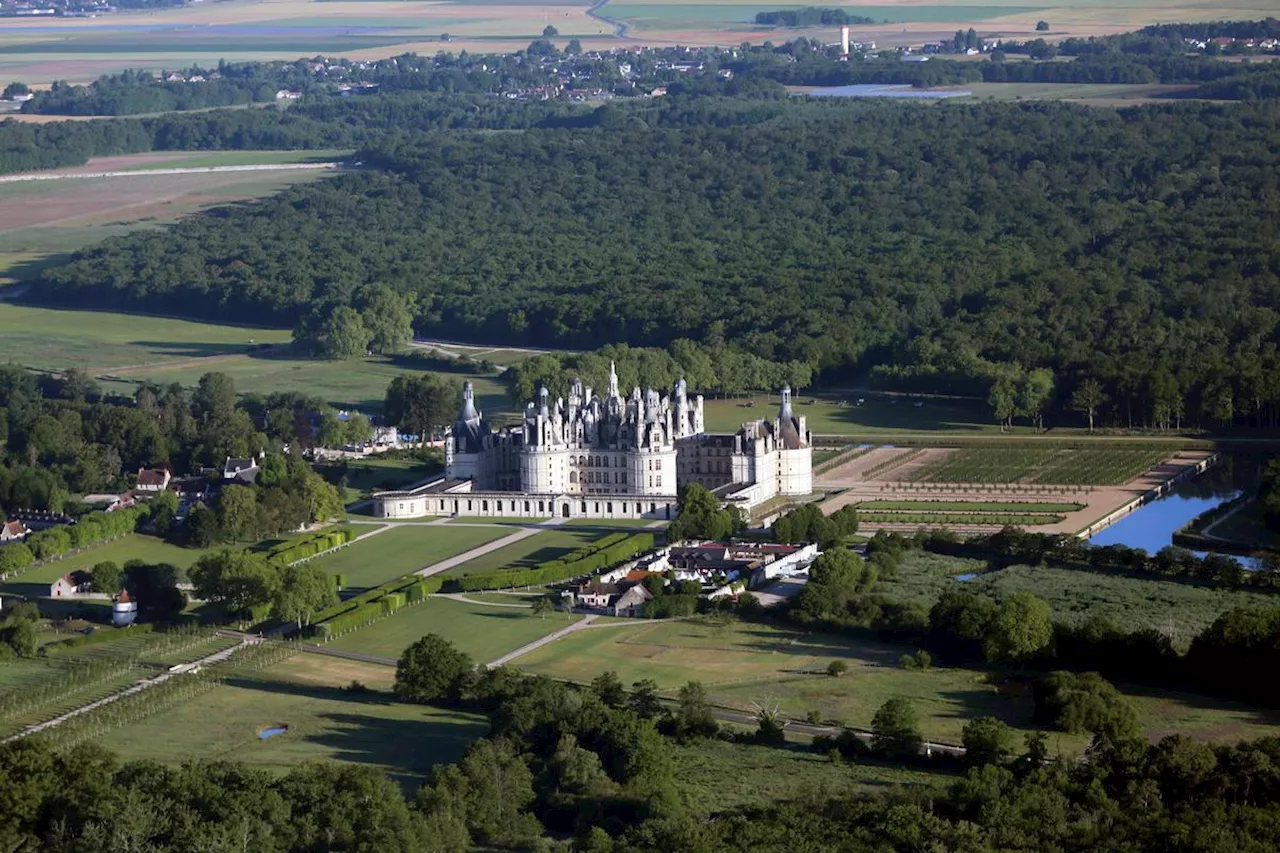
(1152, 526)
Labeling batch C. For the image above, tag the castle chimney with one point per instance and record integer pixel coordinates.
(844, 40)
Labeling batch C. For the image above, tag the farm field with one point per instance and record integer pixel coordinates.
(530, 551)
(325, 722)
(745, 663)
(484, 631)
(36, 580)
(1063, 466)
(400, 551)
(43, 221)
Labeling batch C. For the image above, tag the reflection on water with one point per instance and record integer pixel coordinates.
(1152, 527)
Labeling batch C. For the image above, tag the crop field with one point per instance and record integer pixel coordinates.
(44, 221)
(1085, 466)
(485, 631)
(325, 721)
(538, 548)
(401, 550)
(967, 506)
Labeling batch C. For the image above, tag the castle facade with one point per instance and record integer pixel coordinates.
(607, 457)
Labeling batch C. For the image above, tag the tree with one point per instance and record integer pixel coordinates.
(419, 403)
(22, 637)
(693, 717)
(432, 669)
(388, 320)
(238, 513)
(215, 396)
(343, 335)
(202, 526)
(1023, 627)
(1084, 702)
(573, 48)
(550, 32)
(987, 741)
(14, 89)
(163, 509)
(14, 558)
(107, 577)
(1003, 400)
(644, 699)
(542, 605)
(1042, 26)
(609, 688)
(154, 586)
(239, 579)
(304, 588)
(895, 731)
(1087, 397)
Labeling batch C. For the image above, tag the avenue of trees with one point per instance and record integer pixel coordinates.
(1052, 245)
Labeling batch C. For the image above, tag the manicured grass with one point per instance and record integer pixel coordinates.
(530, 551)
(717, 776)
(35, 581)
(401, 550)
(325, 722)
(839, 415)
(49, 338)
(969, 506)
(483, 631)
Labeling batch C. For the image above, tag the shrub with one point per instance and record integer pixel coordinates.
(837, 668)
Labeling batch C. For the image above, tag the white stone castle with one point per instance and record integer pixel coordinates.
(607, 457)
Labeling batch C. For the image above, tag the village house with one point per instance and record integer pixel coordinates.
(240, 470)
(151, 481)
(13, 531)
(70, 585)
(623, 597)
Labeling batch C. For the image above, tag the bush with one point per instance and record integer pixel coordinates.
(837, 668)
(1083, 702)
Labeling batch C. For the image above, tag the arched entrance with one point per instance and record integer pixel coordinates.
(564, 510)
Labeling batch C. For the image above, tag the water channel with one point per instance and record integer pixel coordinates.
(1152, 527)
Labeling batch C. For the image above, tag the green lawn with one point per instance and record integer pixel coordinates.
(242, 158)
(483, 631)
(36, 580)
(744, 664)
(832, 414)
(325, 722)
(717, 776)
(49, 338)
(538, 548)
(401, 550)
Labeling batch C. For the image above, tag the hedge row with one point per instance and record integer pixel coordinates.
(618, 548)
(94, 639)
(287, 553)
(371, 604)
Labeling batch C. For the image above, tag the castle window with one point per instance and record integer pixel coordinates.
(609, 508)
(584, 507)
(468, 506)
(659, 481)
(573, 476)
(484, 506)
(597, 507)
(526, 506)
(541, 507)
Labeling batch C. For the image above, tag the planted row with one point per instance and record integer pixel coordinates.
(558, 570)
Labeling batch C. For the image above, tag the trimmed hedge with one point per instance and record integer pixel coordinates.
(371, 604)
(609, 551)
(287, 553)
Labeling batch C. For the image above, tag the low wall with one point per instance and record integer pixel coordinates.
(1147, 497)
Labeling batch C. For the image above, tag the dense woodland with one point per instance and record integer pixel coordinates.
(946, 245)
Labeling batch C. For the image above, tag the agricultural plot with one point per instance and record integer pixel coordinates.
(325, 721)
(486, 631)
(1061, 466)
(401, 550)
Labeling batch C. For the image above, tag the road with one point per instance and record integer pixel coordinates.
(137, 688)
(177, 170)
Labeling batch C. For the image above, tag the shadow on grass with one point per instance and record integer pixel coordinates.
(409, 749)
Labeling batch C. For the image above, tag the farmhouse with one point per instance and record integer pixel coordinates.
(607, 457)
(240, 470)
(152, 480)
(70, 585)
(623, 598)
(13, 531)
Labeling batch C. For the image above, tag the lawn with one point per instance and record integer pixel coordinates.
(541, 547)
(717, 776)
(149, 549)
(54, 339)
(325, 722)
(401, 550)
(746, 664)
(830, 414)
(484, 631)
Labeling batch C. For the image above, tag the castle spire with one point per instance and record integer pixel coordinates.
(613, 380)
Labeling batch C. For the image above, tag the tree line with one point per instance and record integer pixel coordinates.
(811, 16)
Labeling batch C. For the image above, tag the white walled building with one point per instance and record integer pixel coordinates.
(606, 457)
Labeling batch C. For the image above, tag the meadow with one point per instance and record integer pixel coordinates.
(747, 664)
(326, 722)
(400, 551)
(484, 631)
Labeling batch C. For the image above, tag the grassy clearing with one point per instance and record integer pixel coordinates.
(717, 776)
(1063, 466)
(484, 631)
(56, 339)
(325, 722)
(840, 415)
(530, 551)
(242, 158)
(401, 550)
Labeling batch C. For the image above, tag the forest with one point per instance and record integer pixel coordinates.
(935, 248)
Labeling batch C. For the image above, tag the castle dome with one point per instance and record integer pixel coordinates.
(789, 435)
(470, 428)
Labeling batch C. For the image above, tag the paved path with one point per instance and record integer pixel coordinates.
(316, 649)
(137, 688)
(182, 170)
(539, 643)
(457, 596)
